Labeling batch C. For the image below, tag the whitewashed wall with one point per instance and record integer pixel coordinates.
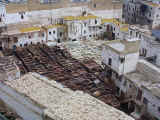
(130, 63)
(108, 53)
(51, 35)
(153, 103)
(2, 13)
(23, 39)
(127, 66)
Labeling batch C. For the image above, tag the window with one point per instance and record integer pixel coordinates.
(136, 34)
(0, 19)
(84, 32)
(90, 35)
(54, 32)
(59, 41)
(120, 78)
(130, 33)
(145, 101)
(122, 59)
(22, 16)
(158, 109)
(157, 16)
(140, 36)
(60, 34)
(50, 33)
(117, 75)
(94, 5)
(42, 34)
(125, 83)
(109, 61)
(20, 45)
(29, 37)
(95, 21)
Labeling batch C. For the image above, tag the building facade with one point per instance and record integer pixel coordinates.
(142, 12)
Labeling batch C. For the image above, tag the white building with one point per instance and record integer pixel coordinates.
(144, 81)
(149, 42)
(142, 12)
(137, 81)
(83, 27)
(56, 33)
(22, 37)
(34, 97)
(2, 13)
(120, 56)
(114, 29)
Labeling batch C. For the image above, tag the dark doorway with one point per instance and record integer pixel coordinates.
(113, 36)
(1, 46)
(59, 41)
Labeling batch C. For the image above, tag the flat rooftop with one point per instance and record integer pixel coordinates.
(146, 76)
(62, 102)
(123, 46)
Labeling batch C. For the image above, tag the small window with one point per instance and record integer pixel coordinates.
(145, 101)
(96, 22)
(157, 16)
(117, 75)
(20, 45)
(54, 32)
(131, 33)
(100, 27)
(120, 78)
(50, 33)
(22, 16)
(60, 34)
(0, 19)
(59, 41)
(125, 83)
(109, 61)
(136, 34)
(42, 34)
(122, 59)
(29, 37)
(94, 5)
(90, 35)
(84, 32)
(31, 43)
(158, 109)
